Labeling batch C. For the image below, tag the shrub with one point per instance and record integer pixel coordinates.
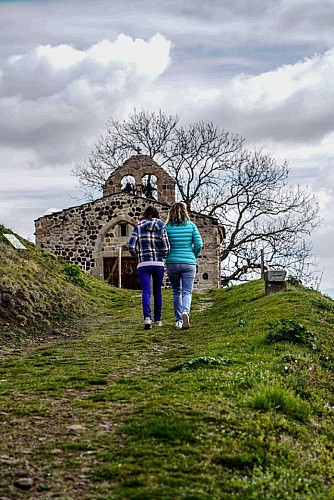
(285, 330)
(324, 304)
(294, 281)
(200, 362)
(74, 273)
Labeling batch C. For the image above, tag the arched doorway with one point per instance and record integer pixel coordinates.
(112, 266)
(112, 256)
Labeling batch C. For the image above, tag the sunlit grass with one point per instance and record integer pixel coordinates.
(215, 412)
(276, 398)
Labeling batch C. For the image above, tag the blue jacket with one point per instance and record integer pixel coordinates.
(149, 241)
(185, 243)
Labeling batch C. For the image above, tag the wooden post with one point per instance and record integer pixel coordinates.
(120, 267)
(262, 263)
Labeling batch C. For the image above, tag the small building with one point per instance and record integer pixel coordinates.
(94, 235)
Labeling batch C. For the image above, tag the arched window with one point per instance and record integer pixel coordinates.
(128, 184)
(149, 186)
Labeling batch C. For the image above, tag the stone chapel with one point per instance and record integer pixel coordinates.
(94, 235)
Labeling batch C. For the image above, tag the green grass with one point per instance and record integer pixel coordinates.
(276, 398)
(216, 412)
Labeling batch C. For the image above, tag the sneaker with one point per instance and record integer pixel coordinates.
(185, 321)
(157, 323)
(178, 325)
(147, 324)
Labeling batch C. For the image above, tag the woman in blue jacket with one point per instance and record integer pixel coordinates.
(149, 244)
(185, 245)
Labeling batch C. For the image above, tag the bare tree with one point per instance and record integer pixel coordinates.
(200, 156)
(260, 210)
(143, 132)
(247, 192)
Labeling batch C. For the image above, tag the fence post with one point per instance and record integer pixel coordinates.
(262, 263)
(120, 267)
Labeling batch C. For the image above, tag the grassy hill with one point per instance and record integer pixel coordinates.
(42, 297)
(240, 406)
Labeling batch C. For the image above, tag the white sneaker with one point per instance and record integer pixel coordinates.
(147, 324)
(178, 325)
(185, 321)
(157, 323)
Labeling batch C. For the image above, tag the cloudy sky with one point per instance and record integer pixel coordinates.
(260, 68)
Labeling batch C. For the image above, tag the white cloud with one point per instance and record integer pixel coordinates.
(48, 70)
(55, 98)
(291, 105)
(148, 58)
(273, 87)
(294, 103)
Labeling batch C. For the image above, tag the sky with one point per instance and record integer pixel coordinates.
(263, 69)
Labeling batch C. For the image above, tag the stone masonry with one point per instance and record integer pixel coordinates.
(89, 233)
(137, 167)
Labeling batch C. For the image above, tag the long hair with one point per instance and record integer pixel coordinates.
(150, 213)
(178, 214)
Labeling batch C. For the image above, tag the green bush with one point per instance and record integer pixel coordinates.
(285, 330)
(292, 280)
(323, 304)
(200, 362)
(74, 273)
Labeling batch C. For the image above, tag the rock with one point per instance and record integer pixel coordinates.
(75, 428)
(24, 483)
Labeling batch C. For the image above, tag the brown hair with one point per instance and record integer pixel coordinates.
(150, 213)
(178, 213)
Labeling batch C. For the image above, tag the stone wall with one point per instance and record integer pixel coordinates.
(85, 234)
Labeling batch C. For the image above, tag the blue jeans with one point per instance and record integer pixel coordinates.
(181, 277)
(157, 273)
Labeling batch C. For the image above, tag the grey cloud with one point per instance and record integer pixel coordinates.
(18, 210)
(304, 16)
(53, 130)
(32, 76)
(306, 116)
(324, 241)
(302, 118)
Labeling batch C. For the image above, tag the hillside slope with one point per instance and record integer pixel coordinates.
(40, 296)
(240, 406)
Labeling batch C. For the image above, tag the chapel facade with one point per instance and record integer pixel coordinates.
(94, 235)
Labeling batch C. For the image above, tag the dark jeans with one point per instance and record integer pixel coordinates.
(145, 274)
